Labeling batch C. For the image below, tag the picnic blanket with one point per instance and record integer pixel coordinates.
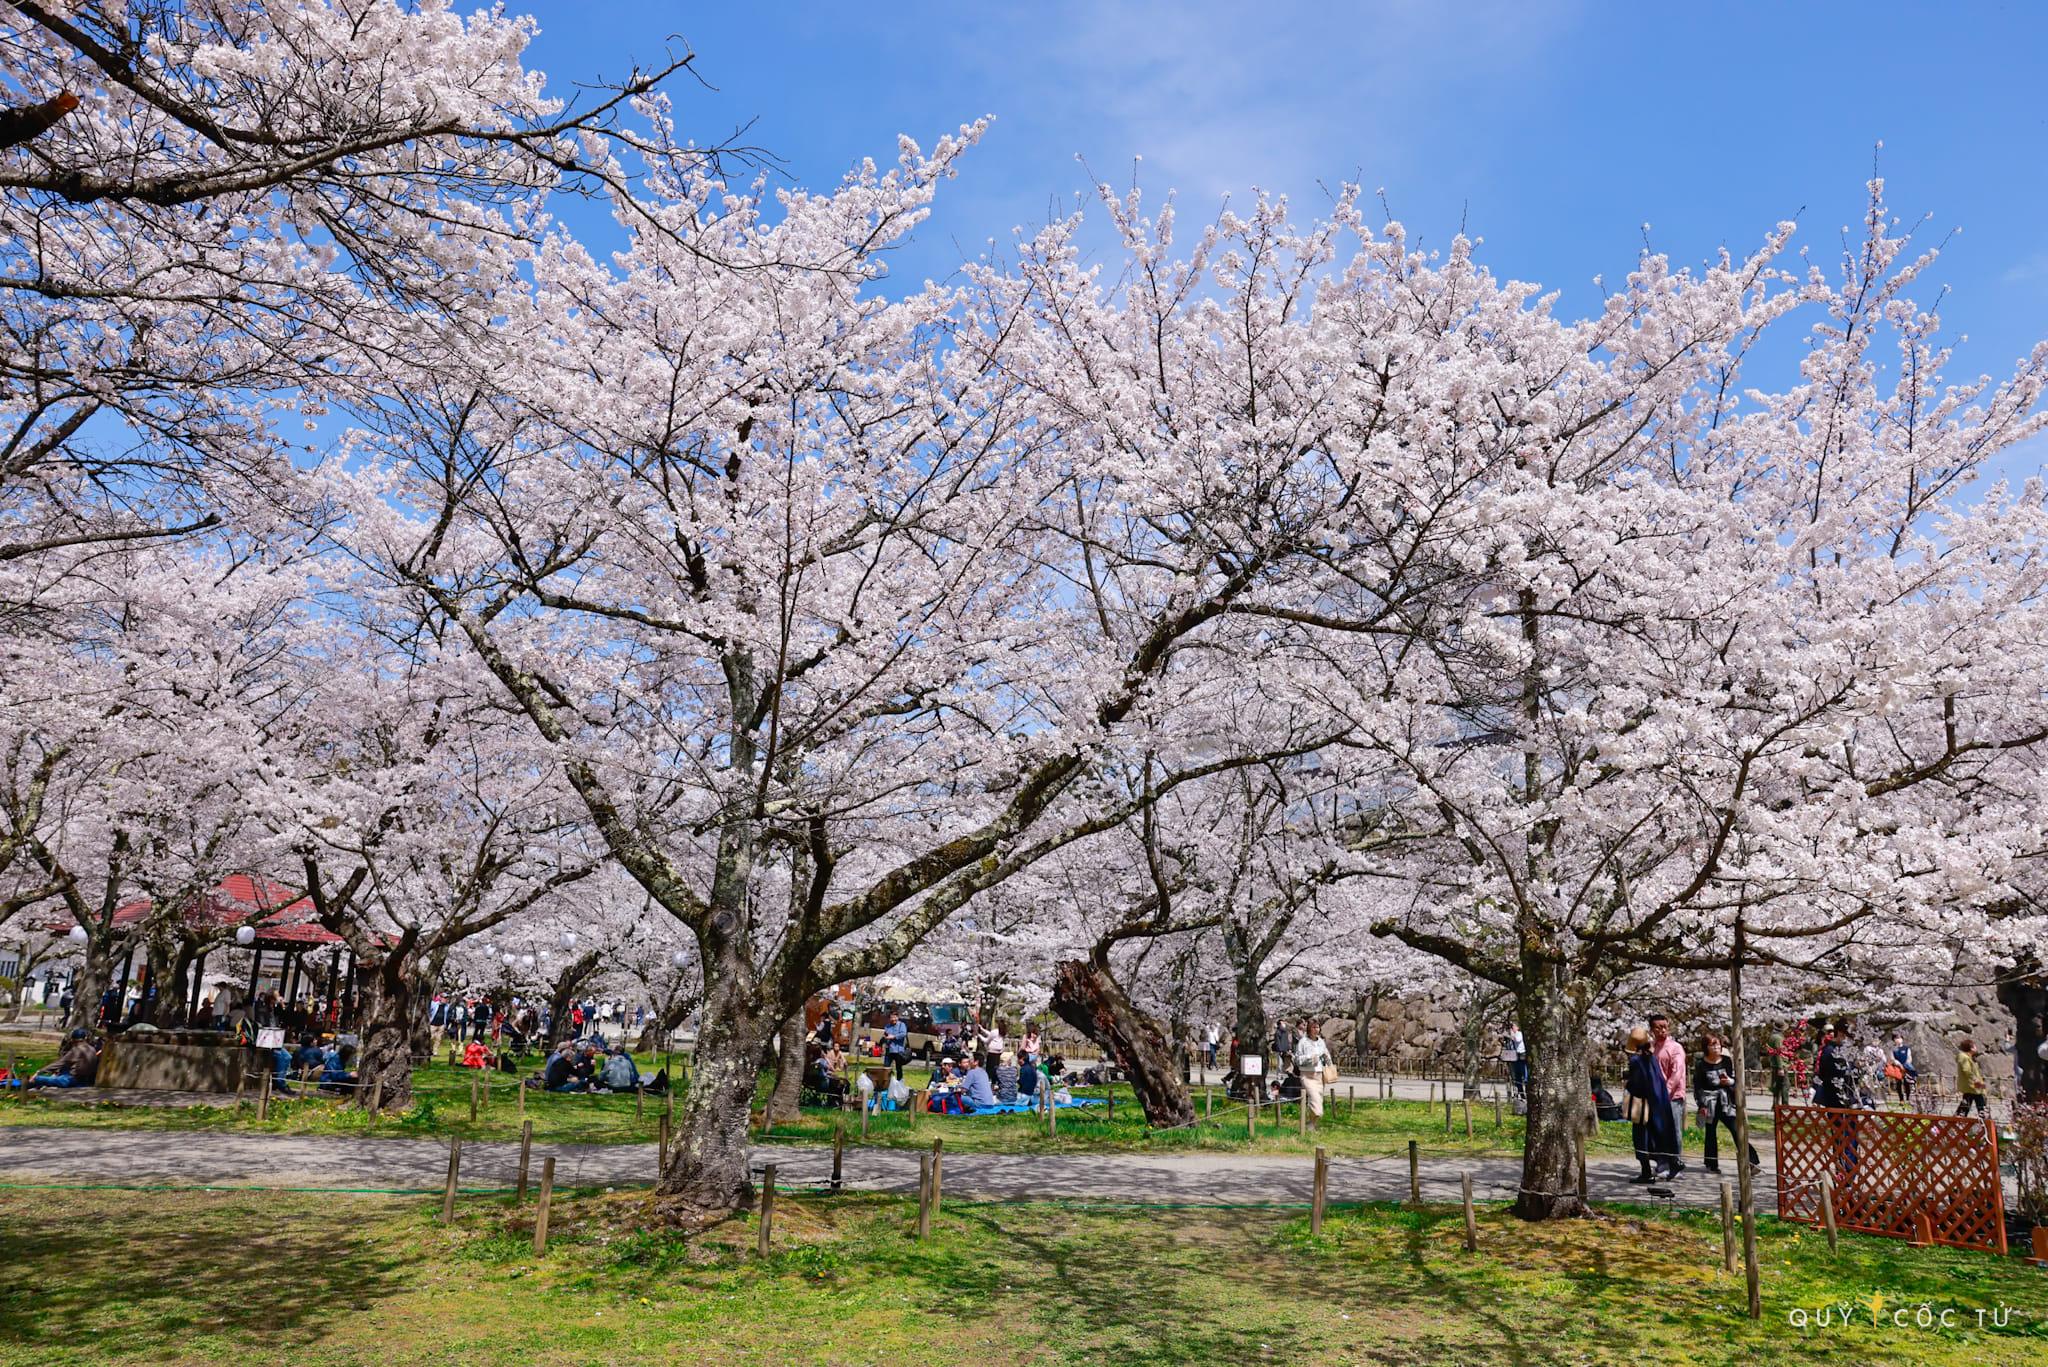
(1019, 1107)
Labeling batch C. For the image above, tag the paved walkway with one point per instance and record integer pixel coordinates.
(144, 1157)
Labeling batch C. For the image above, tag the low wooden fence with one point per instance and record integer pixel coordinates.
(1926, 1178)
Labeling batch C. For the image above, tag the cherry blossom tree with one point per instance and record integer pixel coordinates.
(1734, 676)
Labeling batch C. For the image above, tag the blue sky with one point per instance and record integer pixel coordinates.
(1554, 131)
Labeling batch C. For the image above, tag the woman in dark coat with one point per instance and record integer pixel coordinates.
(1656, 1138)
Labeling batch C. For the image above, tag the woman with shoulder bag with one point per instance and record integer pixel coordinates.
(1651, 1127)
(1312, 1058)
(1714, 1085)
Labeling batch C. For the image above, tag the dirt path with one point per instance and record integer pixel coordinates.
(141, 1158)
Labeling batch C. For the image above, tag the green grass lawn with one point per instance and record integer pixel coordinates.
(95, 1277)
(1371, 1128)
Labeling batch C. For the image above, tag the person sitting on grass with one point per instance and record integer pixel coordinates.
(309, 1054)
(561, 1071)
(474, 1055)
(975, 1092)
(77, 1066)
(1006, 1078)
(619, 1073)
(1027, 1078)
(339, 1075)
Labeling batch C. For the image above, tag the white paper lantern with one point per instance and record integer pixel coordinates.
(76, 935)
(568, 939)
(245, 935)
(680, 958)
(526, 961)
(960, 967)
(490, 953)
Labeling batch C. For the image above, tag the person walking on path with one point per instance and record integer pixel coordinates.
(1834, 1080)
(1210, 1039)
(1283, 1042)
(1901, 1071)
(1311, 1057)
(1969, 1078)
(1670, 1056)
(1714, 1095)
(1650, 1113)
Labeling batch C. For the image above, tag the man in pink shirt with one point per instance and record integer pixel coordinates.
(1670, 1056)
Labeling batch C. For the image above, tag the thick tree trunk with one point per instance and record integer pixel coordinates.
(565, 988)
(95, 976)
(1087, 998)
(707, 1175)
(2027, 999)
(785, 1102)
(1252, 1030)
(394, 1003)
(1552, 1009)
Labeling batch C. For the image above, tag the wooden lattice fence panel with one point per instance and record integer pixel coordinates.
(1890, 1166)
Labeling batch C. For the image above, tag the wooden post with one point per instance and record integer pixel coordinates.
(1251, 1118)
(1923, 1230)
(867, 1104)
(1827, 1208)
(1414, 1173)
(521, 1089)
(1208, 1104)
(1727, 1228)
(1301, 1114)
(838, 1151)
(2040, 1258)
(448, 1192)
(639, 1103)
(1350, 1098)
(661, 1150)
(1432, 1091)
(376, 1098)
(767, 1209)
(472, 1098)
(924, 1196)
(1322, 1191)
(1447, 1107)
(1582, 1170)
(525, 1159)
(263, 1097)
(1468, 1117)
(938, 1171)
(547, 1194)
(1471, 1220)
(241, 1087)
(1052, 1113)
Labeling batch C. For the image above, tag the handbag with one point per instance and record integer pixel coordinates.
(1895, 1072)
(1329, 1074)
(1637, 1110)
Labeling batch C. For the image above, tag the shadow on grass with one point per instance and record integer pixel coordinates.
(99, 1287)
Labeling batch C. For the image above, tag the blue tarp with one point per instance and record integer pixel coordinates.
(1019, 1107)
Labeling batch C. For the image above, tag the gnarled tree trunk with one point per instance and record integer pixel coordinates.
(785, 1102)
(2027, 999)
(706, 1173)
(1552, 1009)
(394, 1002)
(1087, 998)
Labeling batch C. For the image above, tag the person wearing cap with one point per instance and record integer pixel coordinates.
(77, 1066)
(976, 1093)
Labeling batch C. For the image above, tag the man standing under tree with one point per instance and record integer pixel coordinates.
(896, 1042)
(1670, 1057)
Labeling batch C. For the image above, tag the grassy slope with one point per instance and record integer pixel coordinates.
(90, 1277)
